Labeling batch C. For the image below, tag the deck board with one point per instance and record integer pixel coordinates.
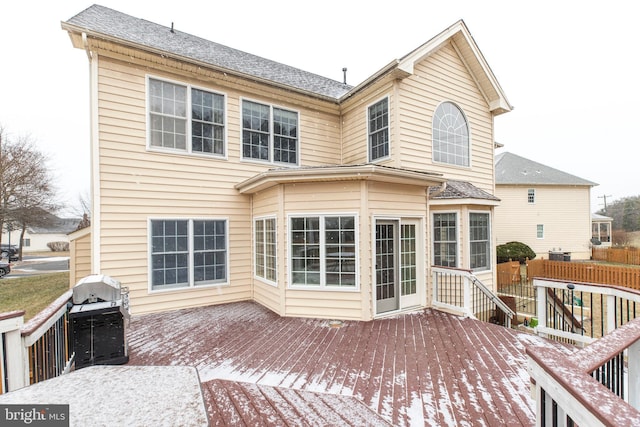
(423, 368)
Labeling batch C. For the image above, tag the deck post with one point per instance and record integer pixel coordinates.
(634, 374)
(467, 296)
(611, 313)
(10, 328)
(541, 309)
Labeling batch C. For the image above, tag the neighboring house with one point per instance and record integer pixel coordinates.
(221, 176)
(547, 209)
(601, 227)
(37, 238)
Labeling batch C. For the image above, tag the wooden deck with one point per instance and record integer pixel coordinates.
(424, 368)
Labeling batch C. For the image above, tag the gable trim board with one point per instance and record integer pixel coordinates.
(133, 184)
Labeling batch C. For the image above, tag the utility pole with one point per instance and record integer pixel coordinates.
(605, 201)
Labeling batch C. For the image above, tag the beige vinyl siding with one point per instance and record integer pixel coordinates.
(564, 211)
(79, 255)
(443, 77)
(355, 124)
(137, 184)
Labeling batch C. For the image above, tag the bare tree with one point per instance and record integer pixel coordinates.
(26, 185)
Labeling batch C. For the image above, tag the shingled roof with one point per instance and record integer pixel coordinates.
(102, 22)
(514, 170)
(460, 190)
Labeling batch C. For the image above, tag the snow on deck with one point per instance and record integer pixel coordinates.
(424, 368)
(121, 396)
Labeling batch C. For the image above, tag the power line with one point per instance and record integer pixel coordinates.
(605, 200)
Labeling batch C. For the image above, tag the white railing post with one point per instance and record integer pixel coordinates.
(611, 313)
(10, 327)
(466, 298)
(634, 374)
(541, 309)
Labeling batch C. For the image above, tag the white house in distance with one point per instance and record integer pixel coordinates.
(542, 207)
(37, 238)
(601, 227)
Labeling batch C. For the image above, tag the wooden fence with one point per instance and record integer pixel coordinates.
(628, 277)
(629, 256)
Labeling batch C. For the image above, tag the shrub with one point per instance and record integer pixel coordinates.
(514, 251)
(58, 246)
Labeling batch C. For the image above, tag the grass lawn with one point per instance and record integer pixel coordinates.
(33, 293)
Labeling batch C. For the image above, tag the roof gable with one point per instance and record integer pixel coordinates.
(460, 38)
(515, 170)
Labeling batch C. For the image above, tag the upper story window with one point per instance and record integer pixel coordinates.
(445, 239)
(531, 195)
(179, 113)
(269, 133)
(540, 231)
(378, 118)
(450, 135)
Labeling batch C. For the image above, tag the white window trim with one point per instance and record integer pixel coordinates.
(458, 236)
(468, 130)
(191, 285)
(490, 254)
(322, 287)
(188, 150)
(271, 135)
(255, 273)
(388, 156)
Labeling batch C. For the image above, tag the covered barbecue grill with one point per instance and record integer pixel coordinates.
(98, 319)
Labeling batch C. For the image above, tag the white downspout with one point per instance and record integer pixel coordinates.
(94, 153)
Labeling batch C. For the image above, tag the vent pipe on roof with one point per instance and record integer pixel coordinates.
(344, 73)
(172, 27)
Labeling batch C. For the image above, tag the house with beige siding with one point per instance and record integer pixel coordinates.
(547, 209)
(221, 176)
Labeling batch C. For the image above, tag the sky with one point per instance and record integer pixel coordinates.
(569, 68)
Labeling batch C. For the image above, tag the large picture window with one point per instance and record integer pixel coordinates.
(323, 251)
(445, 240)
(179, 113)
(269, 133)
(187, 253)
(450, 135)
(480, 245)
(379, 130)
(265, 249)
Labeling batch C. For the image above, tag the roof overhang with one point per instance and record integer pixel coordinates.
(459, 202)
(368, 172)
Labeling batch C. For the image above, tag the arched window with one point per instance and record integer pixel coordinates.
(450, 135)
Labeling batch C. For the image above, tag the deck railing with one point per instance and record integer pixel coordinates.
(460, 291)
(596, 386)
(579, 313)
(37, 350)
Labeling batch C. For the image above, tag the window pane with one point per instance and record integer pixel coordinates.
(450, 135)
(169, 258)
(207, 126)
(285, 140)
(379, 130)
(479, 257)
(210, 253)
(167, 114)
(255, 130)
(445, 240)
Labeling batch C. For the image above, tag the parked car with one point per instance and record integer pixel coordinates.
(5, 269)
(9, 251)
